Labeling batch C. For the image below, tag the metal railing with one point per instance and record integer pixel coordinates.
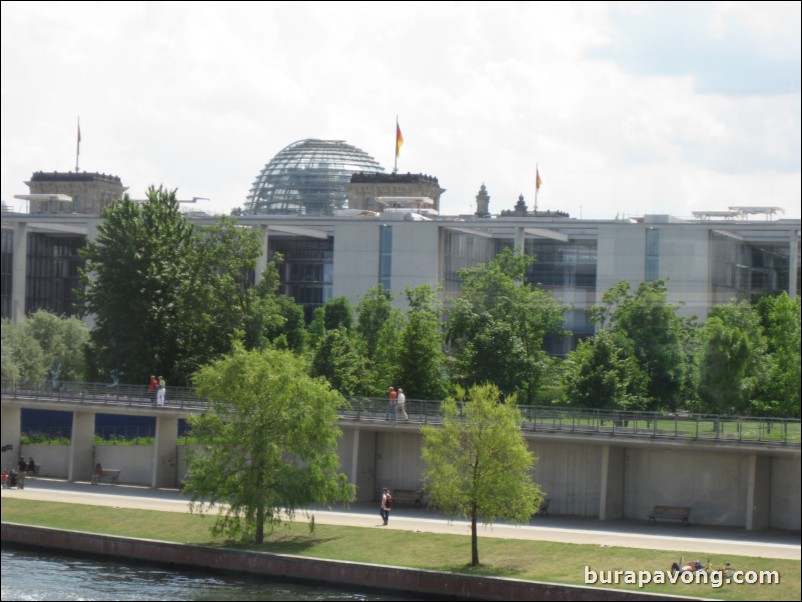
(107, 394)
(544, 419)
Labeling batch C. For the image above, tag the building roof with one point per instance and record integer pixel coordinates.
(308, 177)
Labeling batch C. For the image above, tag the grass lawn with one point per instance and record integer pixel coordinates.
(520, 559)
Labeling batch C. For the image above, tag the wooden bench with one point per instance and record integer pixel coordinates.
(412, 497)
(112, 475)
(682, 513)
(35, 471)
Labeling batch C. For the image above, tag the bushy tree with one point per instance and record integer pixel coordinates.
(497, 326)
(338, 351)
(137, 272)
(269, 442)
(22, 356)
(599, 373)
(421, 360)
(273, 318)
(478, 464)
(375, 309)
(338, 358)
(778, 391)
(653, 330)
(45, 345)
(724, 368)
(167, 298)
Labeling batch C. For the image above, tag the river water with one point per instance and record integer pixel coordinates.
(30, 575)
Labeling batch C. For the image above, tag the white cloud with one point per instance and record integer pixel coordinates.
(201, 96)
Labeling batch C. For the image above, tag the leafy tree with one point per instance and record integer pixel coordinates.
(779, 391)
(374, 310)
(386, 362)
(168, 298)
(45, 345)
(496, 355)
(216, 300)
(478, 463)
(654, 331)
(22, 356)
(271, 317)
(269, 442)
(335, 313)
(339, 360)
(137, 272)
(724, 367)
(600, 374)
(421, 360)
(338, 313)
(338, 352)
(497, 326)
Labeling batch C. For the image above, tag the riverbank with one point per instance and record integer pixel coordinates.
(295, 568)
(418, 539)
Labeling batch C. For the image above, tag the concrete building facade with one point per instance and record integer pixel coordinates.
(704, 262)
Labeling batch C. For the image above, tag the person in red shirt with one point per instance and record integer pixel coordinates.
(391, 405)
(152, 388)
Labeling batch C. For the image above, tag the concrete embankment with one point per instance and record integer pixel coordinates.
(295, 568)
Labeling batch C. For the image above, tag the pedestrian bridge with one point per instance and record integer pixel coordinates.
(731, 470)
(181, 402)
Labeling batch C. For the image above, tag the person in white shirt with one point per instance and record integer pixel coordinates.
(401, 405)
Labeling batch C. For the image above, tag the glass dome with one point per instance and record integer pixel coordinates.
(308, 178)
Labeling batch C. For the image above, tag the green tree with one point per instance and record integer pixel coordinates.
(137, 272)
(779, 391)
(421, 360)
(338, 352)
(22, 356)
(386, 362)
(269, 442)
(338, 313)
(338, 358)
(478, 464)
(45, 345)
(216, 300)
(725, 358)
(272, 317)
(168, 298)
(654, 331)
(497, 326)
(374, 310)
(600, 374)
(335, 313)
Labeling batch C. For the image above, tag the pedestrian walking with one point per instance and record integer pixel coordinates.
(401, 405)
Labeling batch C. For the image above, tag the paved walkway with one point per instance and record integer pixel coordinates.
(625, 533)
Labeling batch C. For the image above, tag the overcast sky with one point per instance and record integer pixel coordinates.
(626, 108)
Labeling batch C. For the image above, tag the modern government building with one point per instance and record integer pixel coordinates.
(344, 225)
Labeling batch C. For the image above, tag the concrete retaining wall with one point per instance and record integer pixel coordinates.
(296, 568)
(54, 459)
(786, 484)
(569, 474)
(714, 483)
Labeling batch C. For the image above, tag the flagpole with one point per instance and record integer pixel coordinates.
(78, 145)
(537, 175)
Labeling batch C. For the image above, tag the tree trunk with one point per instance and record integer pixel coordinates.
(474, 541)
(259, 538)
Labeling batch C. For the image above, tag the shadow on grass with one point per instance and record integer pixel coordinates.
(282, 544)
(496, 570)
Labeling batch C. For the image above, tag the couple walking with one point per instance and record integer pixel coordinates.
(396, 405)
